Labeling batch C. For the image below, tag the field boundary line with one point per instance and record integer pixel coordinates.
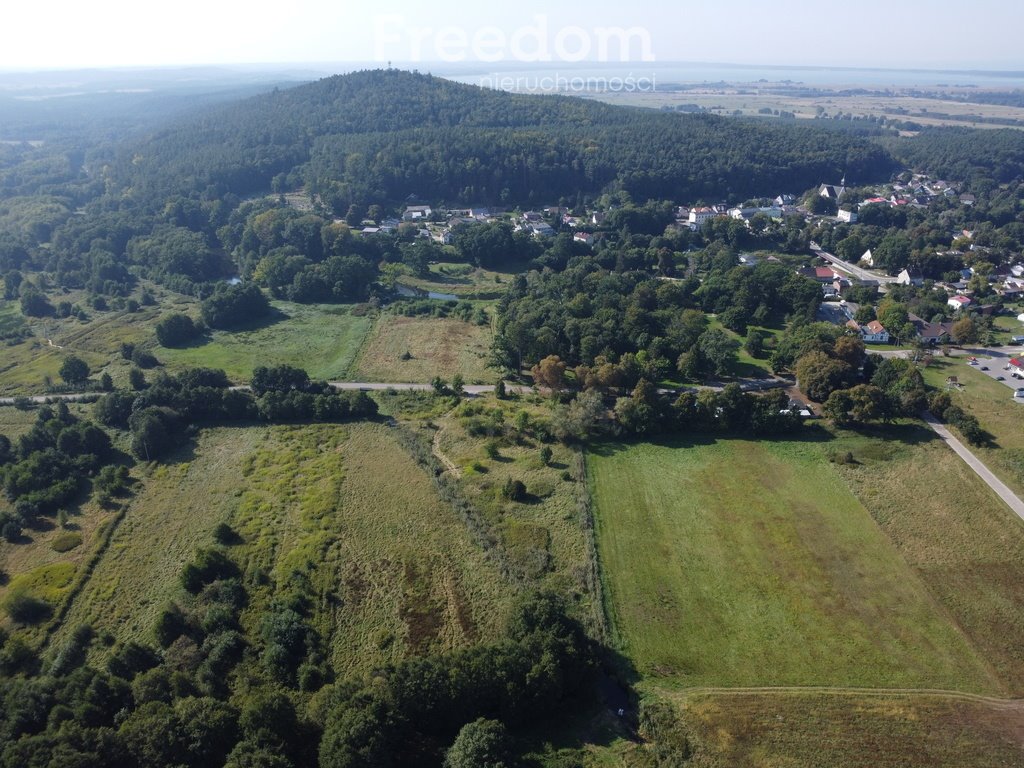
(94, 560)
(826, 690)
(353, 366)
(595, 577)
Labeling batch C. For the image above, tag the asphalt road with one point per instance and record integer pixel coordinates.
(852, 269)
(993, 482)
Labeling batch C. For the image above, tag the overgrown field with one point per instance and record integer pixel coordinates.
(322, 339)
(742, 563)
(851, 730)
(462, 280)
(342, 509)
(543, 535)
(991, 402)
(953, 531)
(27, 367)
(416, 349)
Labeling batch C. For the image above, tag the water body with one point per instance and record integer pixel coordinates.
(416, 293)
(667, 73)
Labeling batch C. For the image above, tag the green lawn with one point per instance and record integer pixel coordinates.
(322, 339)
(740, 563)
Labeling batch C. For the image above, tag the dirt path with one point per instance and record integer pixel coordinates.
(436, 449)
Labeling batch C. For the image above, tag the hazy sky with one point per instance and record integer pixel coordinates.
(905, 33)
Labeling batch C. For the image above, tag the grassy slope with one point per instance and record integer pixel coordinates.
(543, 537)
(991, 401)
(25, 366)
(321, 339)
(439, 347)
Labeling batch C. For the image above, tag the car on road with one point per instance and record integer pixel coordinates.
(1019, 392)
(984, 367)
(1000, 378)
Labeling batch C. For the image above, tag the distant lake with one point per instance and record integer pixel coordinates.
(681, 72)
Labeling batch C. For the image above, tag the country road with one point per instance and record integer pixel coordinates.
(852, 269)
(1012, 500)
(749, 385)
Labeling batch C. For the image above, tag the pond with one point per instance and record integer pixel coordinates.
(418, 293)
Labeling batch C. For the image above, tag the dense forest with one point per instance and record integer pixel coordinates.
(376, 137)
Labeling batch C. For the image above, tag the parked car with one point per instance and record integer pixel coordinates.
(1000, 378)
(984, 367)
(1019, 392)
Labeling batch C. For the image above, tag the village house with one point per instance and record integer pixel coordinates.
(821, 274)
(848, 216)
(868, 258)
(959, 302)
(701, 216)
(931, 333)
(417, 213)
(910, 276)
(870, 333)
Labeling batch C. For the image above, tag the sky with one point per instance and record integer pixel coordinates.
(928, 34)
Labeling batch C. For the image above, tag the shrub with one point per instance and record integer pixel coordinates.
(25, 609)
(514, 490)
(65, 542)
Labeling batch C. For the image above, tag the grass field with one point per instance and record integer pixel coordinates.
(993, 405)
(960, 539)
(322, 339)
(438, 347)
(25, 367)
(542, 536)
(393, 570)
(462, 280)
(812, 730)
(740, 563)
(176, 507)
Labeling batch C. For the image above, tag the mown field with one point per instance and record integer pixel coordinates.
(992, 403)
(322, 339)
(342, 507)
(742, 563)
(434, 346)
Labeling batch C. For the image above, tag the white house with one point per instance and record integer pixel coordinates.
(868, 258)
(848, 216)
(701, 216)
(910, 277)
(959, 302)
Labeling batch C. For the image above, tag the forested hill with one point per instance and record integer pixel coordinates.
(379, 136)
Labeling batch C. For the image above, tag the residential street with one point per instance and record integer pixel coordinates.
(993, 482)
(855, 271)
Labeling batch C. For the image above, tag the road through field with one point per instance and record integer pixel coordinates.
(1012, 500)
